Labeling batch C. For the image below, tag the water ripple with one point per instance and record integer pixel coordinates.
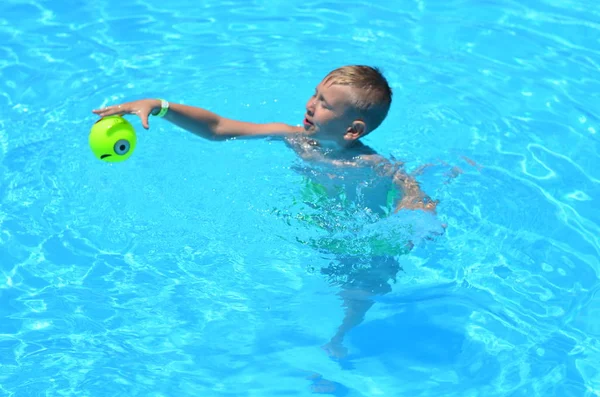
(121, 278)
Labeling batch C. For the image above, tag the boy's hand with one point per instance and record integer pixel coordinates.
(141, 108)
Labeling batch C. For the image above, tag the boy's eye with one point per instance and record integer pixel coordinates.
(324, 104)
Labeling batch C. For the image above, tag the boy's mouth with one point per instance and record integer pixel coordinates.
(307, 123)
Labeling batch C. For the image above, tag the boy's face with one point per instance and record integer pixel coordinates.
(329, 112)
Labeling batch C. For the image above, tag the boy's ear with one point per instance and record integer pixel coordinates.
(356, 130)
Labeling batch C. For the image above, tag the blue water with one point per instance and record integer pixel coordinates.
(175, 274)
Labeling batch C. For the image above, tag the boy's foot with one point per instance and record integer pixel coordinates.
(335, 350)
(323, 386)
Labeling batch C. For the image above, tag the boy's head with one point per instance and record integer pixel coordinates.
(349, 103)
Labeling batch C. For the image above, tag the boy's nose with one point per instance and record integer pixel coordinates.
(310, 105)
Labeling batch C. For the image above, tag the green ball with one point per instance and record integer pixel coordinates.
(112, 139)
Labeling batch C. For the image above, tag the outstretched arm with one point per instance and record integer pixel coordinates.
(201, 122)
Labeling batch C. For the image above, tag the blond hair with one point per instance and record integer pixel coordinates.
(374, 95)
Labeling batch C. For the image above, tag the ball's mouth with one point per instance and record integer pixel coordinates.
(104, 156)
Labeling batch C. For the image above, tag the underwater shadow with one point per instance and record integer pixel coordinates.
(411, 335)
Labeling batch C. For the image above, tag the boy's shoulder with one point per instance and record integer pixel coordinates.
(382, 165)
(356, 156)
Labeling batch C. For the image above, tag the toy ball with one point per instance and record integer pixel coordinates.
(112, 139)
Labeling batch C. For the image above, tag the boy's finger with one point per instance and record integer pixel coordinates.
(103, 112)
(144, 117)
(110, 110)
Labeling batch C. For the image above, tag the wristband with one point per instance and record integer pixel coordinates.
(164, 108)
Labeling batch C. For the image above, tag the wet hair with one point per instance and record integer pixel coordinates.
(373, 95)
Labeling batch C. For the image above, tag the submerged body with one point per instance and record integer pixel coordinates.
(351, 193)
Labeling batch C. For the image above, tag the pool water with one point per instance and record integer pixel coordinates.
(183, 272)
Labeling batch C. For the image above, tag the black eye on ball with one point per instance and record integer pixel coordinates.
(121, 147)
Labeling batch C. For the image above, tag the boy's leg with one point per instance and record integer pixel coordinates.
(356, 304)
(357, 293)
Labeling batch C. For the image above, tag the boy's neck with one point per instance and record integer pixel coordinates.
(342, 150)
(336, 146)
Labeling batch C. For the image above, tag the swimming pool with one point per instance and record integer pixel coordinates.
(174, 273)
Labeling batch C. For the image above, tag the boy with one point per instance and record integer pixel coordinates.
(348, 104)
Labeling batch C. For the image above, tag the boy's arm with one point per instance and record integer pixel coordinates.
(199, 121)
(413, 198)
